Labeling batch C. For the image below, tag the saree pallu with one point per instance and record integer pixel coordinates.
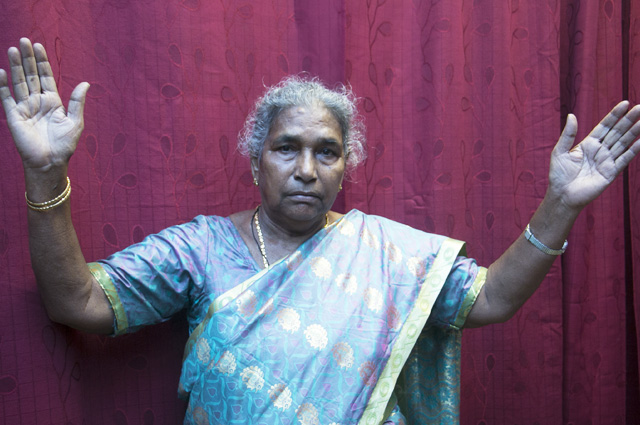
(322, 336)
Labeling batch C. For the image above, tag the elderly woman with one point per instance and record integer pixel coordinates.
(297, 314)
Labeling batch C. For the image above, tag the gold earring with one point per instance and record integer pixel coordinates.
(255, 181)
(340, 187)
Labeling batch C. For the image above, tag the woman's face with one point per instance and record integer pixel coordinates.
(301, 167)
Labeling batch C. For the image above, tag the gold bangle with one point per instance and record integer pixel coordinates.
(58, 200)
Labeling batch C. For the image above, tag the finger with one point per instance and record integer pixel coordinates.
(47, 80)
(76, 103)
(5, 94)
(609, 121)
(29, 66)
(568, 136)
(625, 140)
(20, 89)
(621, 127)
(624, 159)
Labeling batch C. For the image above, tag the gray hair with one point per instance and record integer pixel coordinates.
(302, 91)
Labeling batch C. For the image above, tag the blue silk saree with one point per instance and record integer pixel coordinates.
(359, 324)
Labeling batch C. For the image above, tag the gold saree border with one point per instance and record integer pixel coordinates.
(433, 283)
(471, 297)
(99, 273)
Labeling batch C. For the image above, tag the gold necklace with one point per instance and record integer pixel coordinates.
(263, 251)
(261, 246)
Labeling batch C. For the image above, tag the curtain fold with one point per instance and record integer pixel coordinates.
(463, 103)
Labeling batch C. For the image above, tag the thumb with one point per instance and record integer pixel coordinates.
(568, 136)
(76, 103)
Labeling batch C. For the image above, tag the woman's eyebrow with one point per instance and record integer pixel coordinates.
(286, 138)
(329, 141)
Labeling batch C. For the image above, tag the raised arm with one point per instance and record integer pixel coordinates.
(577, 176)
(46, 136)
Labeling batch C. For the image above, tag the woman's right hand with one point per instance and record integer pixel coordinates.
(45, 134)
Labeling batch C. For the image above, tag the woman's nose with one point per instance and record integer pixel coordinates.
(306, 167)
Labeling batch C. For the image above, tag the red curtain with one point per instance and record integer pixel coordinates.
(463, 102)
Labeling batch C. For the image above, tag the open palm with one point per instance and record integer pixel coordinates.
(581, 173)
(44, 133)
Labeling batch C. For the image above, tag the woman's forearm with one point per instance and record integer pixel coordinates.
(70, 293)
(515, 276)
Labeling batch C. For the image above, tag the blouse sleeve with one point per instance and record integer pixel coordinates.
(149, 282)
(458, 294)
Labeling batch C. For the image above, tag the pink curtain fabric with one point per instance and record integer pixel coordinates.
(463, 101)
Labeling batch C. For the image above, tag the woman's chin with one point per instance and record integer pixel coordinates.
(304, 213)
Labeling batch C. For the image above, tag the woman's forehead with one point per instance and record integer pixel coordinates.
(301, 118)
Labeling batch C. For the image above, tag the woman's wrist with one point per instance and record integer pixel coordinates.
(552, 221)
(554, 205)
(44, 185)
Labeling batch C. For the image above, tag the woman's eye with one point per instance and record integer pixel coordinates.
(285, 148)
(327, 152)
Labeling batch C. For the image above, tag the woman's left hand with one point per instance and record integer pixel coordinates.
(580, 174)
(576, 177)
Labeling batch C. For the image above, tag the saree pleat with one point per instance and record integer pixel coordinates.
(428, 389)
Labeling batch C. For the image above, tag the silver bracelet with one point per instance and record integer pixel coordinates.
(542, 247)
